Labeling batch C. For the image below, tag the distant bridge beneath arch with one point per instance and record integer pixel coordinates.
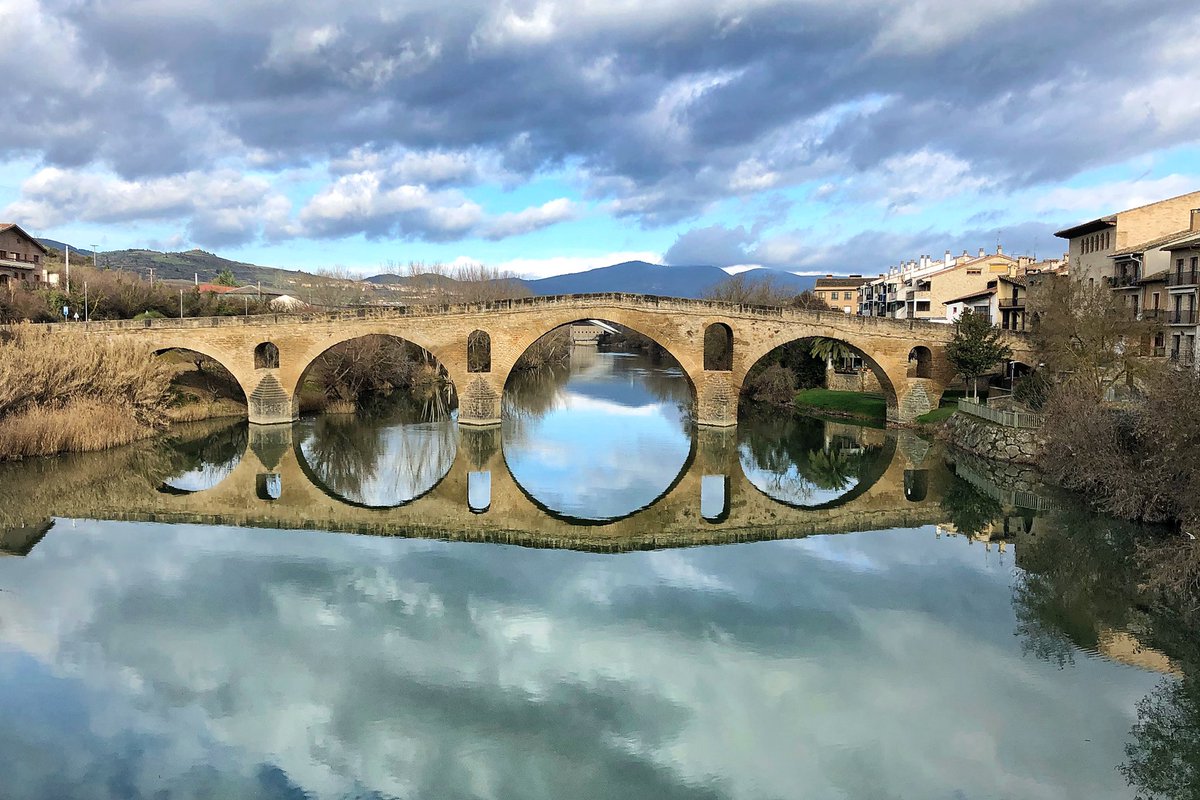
(478, 345)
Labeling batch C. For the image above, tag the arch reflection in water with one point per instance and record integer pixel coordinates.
(600, 439)
(383, 458)
(808, 462)
(199, 457)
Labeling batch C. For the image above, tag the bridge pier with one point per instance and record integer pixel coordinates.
(479, 403)
(914, 397)
(269, 403)
(716, 399)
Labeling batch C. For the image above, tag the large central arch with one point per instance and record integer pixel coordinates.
(566, 425)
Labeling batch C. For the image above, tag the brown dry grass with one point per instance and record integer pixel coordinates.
(79, 426)
(206, 409)
(84, 395)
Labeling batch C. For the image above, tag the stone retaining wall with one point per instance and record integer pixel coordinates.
(983, 438)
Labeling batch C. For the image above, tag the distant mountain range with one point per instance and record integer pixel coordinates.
(632, 277)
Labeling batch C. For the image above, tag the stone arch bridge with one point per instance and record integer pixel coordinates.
(269, 354)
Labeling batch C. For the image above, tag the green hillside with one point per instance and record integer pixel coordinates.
(188, 265)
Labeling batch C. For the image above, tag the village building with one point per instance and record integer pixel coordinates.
(1096, 247)
(1182, 281)
(841, 293)
(936, 290)
(590, 331)
(21, 257)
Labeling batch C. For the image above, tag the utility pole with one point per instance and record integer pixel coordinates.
(152, 277)
(68, 252)
(85, 303)
(181, 303)
(95, 261)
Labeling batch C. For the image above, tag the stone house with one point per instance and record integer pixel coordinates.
(21, 257)
(838, 292)
(929, 289)
(1093, 244)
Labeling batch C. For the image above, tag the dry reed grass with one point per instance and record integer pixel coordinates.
(206, 409)
(86, 394)
(79, 426)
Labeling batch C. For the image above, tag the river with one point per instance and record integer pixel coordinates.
(593, 601)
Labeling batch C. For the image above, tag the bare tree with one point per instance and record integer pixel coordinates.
(469, 282)
(338, 287)
(750, 291)
(1086, 335)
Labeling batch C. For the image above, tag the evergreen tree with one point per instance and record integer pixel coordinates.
(976, 348)
(226, 278)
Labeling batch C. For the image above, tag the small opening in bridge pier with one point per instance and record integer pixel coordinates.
(718, 347)
(268, 486)
(916, 485)
(479, 352)
(266, 356)
(479, 491)
(920, 362)
(714, 497)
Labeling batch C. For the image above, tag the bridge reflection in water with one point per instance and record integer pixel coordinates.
(276, 483)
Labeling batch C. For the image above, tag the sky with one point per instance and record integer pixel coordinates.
(547, 137)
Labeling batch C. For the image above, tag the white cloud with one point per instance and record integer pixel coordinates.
(1107, 198)
(530, 219)
(222, 207)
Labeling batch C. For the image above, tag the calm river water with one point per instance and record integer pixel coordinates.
(855, 620)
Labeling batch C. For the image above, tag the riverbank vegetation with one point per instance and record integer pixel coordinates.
(112, 294)
(350, 375)
(94, 395)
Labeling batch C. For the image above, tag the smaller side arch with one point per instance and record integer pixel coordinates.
(718, 348)
(266, 356)
(920, 362)
(479, 351)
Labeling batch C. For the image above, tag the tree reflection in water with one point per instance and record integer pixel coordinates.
(393, 451)
(802, 460)
(197, 457)
(1077, 584)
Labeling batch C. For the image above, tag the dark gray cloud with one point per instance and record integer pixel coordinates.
(664, 110)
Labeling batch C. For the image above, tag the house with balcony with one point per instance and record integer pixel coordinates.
(1096, 246)
(22, 257)
(1183, 295)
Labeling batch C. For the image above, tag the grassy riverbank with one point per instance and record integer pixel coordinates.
(855, 405)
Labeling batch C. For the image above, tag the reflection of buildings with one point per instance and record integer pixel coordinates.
(1125, 648)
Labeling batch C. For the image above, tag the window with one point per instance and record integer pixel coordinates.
(266, 356)
(1154, 296)
(974, 272)
(479, 352)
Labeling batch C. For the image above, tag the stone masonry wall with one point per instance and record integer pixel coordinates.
(986, 439)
